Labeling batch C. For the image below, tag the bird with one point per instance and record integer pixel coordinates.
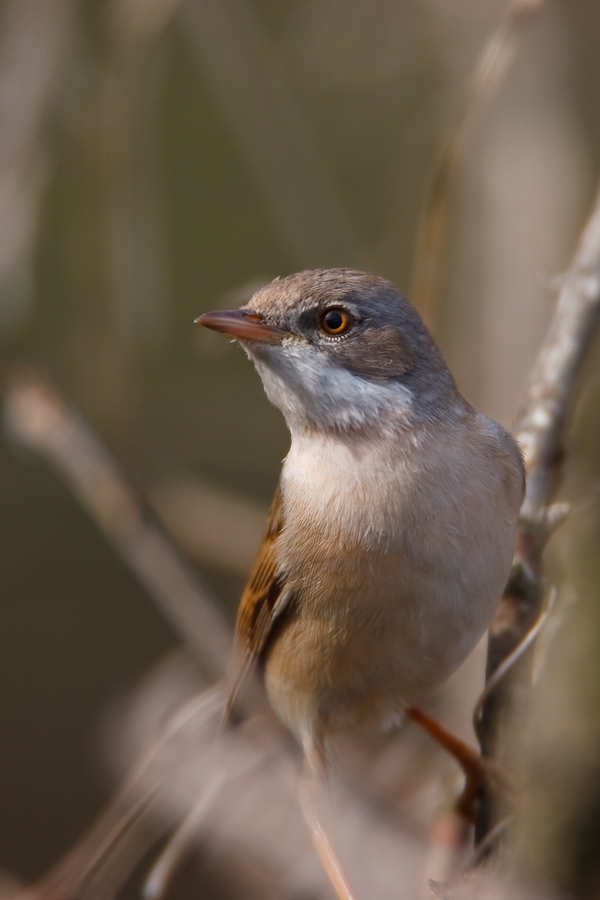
(392, 530)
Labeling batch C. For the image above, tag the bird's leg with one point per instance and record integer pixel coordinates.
(311, 786)
(478, 770)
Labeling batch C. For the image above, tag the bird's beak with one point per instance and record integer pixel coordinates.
(244, 324)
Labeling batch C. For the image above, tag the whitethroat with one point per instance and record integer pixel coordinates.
(391, 534)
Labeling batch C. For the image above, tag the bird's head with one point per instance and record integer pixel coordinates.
(340, 349)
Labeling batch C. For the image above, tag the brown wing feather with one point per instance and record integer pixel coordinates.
(255, 612)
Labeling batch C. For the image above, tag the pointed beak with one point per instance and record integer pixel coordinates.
(244, 324)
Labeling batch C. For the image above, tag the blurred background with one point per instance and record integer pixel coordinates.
(161, 158)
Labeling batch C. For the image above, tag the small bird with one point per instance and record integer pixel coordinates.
(391, 534)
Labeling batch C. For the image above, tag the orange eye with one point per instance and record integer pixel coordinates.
(336, 321)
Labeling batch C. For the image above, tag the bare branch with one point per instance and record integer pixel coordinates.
(37, 417)
(540, 431)
(542, 419)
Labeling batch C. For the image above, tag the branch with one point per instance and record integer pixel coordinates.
(37, 417)
(540, 431)
(542, 418)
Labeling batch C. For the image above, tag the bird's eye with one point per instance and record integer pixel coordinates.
(336, 321)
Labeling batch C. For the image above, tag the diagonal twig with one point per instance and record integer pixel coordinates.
(37, 417)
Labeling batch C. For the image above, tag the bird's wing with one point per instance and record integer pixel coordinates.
(263, 600)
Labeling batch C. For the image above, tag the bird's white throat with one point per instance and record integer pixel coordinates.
(311, 390)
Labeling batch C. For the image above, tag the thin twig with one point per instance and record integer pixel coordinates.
(507, 664)
(100, 862)
(36, 416)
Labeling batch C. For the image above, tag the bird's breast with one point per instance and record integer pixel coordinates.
(396, 554)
